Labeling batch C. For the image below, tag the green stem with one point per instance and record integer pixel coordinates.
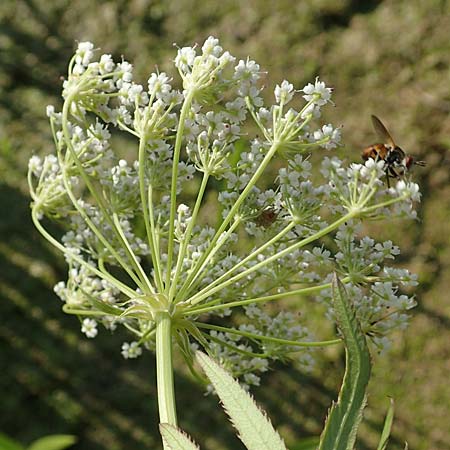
(92, 190)
(234, 209)
(103, 275)
(280, 254)
(184, 291)
(302, 291)
(252, 255)
(145, 208)
(384, 204)
(188, 234)
(133, 257)
(154, 240)
(237, 349)
(82, 312)
(173, 190)
(268, 338)
(164, 369)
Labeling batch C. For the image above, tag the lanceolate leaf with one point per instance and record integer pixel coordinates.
(176, 439)
(387, 427)
(255, 429)
(345, 415)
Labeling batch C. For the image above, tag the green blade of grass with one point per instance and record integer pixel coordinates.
(384, 439)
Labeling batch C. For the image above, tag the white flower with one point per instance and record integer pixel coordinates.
(311, 110)
(185, 59)
(328, 137)
(131, 350)
(284, 93)
(226, 58)
(407, 189)
(126, 73)
(50, 110)
(183, 209)
(247, 71)
(98, 239)
(158, 84)
(89, 328)
(84, 53)
(35, 165)
(106, 64)
(211, 47)
(317, 92)
(371, 166)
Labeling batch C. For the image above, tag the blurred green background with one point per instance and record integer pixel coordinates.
(390, 58)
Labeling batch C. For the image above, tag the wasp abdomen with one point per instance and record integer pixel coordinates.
(375, 151)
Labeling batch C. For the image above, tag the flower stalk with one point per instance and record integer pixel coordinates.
(164, 369)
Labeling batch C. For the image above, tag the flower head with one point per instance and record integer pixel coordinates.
(187, 225)
(317, 93)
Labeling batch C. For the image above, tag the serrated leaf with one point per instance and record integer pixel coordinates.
(176, 439)
(255, 429)
(6, 443)
(384, 439)
(54, 442)
(345, 415)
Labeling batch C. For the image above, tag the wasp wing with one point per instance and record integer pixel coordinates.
(382, 131)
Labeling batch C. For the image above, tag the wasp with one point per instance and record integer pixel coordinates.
(397, 162)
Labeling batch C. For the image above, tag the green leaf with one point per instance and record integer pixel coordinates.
(345, 415)
(176, 439)
(53, 442)
(183, 342)
(384, 439)
(138, 312)
(102, 306)
(255, 429)
(309, 443)
(6, 443)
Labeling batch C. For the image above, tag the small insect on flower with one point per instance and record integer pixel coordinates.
(397, 162)
(267, 217)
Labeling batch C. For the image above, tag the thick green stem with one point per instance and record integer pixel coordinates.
(164, 369)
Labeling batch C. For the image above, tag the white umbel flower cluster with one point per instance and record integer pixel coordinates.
(189, 225)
